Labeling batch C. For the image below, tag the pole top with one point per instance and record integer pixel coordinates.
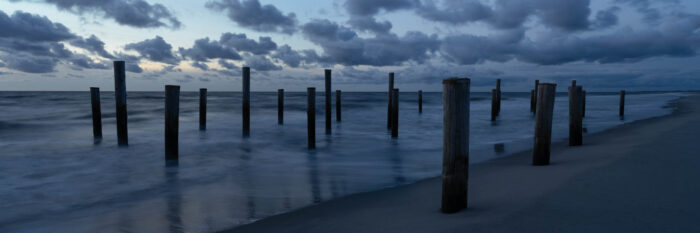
(547, 84)
(455, 80)
(172, 86)
(310, 88)
(94, 88)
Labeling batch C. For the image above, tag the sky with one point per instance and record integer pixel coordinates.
(606, 45)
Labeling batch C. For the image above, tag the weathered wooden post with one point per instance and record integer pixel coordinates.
(391, 88)
(120, 99)
(311, 116)
(202, 109)
(455, 144)
(622, 103)
(420, 101)
(494, 104)
(328, 102)
(280, 106)
(543, 123)
(395, 113)
(583, 103)
(498, 97)
(575, 121)
(337, 105)
(246, 101)
(96, 114)
(172, 113)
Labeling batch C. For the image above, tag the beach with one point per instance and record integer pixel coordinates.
(637, 177)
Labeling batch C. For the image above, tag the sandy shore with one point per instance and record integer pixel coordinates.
(639, 177)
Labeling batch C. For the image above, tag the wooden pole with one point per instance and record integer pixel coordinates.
(246, 101)
(337, 105)
(280, 106)
(494, 104)
(202, 109)
(498, 97)
(575, 121)
(96, 114)
(455, 144)
(543, 123)
(172, 113)
(120, 99)
(328, 102)
(311, 116)
(395, 113)
(388, 112)
(420, 101)
(622, 103)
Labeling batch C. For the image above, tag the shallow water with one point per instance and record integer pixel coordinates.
(54, 179)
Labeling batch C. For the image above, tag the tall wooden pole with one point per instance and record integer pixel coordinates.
(172, 114)
(246, 101)
(622, 103)
(280, 106)
(395, 113)
(327, 92)
(455, 144)
(575, 115)
(498, 97)
(543, 123)
(391, 88)
(420, 101)
(96, 114)
(311, 117)
(120, 99)
(494, 104)
(202, 109)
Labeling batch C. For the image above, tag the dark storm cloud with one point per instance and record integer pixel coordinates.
(251, 14)
(240, 42)
(33, 28)
(372, 7)
(288, 56)
(568, 15)
(205, 49)
(369, 24)
(454, 11)
(135, 13)
(260, 63)
(155, 49)
(30, 64)
(342, 45)
(680, 39)
(228, 65)
(606, 18)
(92, 44)
(32, 43)
(87, 63)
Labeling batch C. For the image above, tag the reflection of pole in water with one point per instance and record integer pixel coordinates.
(173, 199)
(396, 165)
(314, 177)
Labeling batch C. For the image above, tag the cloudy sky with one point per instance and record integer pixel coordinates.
(605, 44)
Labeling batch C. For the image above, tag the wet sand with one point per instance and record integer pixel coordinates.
(638, 177)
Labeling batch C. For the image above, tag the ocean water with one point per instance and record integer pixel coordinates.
(53, 178)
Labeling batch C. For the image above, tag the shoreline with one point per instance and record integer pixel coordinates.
(492, 193)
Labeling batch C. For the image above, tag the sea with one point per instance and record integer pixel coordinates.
(55, 178)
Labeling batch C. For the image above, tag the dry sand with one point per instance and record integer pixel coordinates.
(639, 177)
